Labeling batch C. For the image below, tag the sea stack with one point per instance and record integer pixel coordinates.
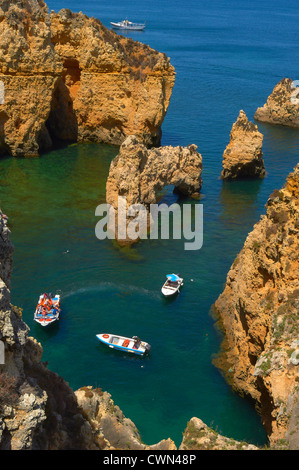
(258, 311)
(243, 157)
(282, 106)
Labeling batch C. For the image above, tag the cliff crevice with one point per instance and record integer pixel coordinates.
(68, 78)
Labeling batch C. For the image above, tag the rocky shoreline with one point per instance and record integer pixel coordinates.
(139, 174)
(258, 312)
(75, 81)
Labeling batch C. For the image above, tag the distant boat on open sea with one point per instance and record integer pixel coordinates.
(128, 25)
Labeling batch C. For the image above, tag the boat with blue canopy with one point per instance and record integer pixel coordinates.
(172, 285)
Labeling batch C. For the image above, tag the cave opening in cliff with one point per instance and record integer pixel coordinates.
(62, 124)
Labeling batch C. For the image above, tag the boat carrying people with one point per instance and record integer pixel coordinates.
(48, 309)
(172, 285)
(132, 345)
(128, 25)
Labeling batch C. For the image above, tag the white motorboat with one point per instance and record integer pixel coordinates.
(128, 25)
(47, 310)
(132, 345)
(172, 285)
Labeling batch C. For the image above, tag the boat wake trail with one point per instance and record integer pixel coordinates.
(121, 290)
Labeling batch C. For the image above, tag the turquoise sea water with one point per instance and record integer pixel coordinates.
(227, 57)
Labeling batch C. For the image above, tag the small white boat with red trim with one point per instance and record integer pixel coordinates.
(132, 345)
(48, 309)
(172, 285)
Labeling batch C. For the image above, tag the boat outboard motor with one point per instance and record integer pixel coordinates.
(148, 348)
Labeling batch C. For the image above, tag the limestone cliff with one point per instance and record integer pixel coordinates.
(198, 436)
(38, 409)
(282, 106)
(68, 78)
(243, 157)
(117, 86)
(139, 174)
(258, 311)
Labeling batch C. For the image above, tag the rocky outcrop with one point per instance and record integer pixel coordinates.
(198, 436)
(117, 86)
(38, 409)
(243, 157)
(139, 174)
(68, 78)
(282, 106)
(258, 311)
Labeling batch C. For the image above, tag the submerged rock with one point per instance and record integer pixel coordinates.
(282, 106)
(243, 157)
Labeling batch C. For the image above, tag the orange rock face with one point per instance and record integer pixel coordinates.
(258, 311)
(139, 174)
(67, 77)
(117, 86)
(282, 106)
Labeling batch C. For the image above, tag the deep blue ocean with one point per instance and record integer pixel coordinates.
(228, 56)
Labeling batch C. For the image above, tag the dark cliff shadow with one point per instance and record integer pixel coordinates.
(62, 123)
